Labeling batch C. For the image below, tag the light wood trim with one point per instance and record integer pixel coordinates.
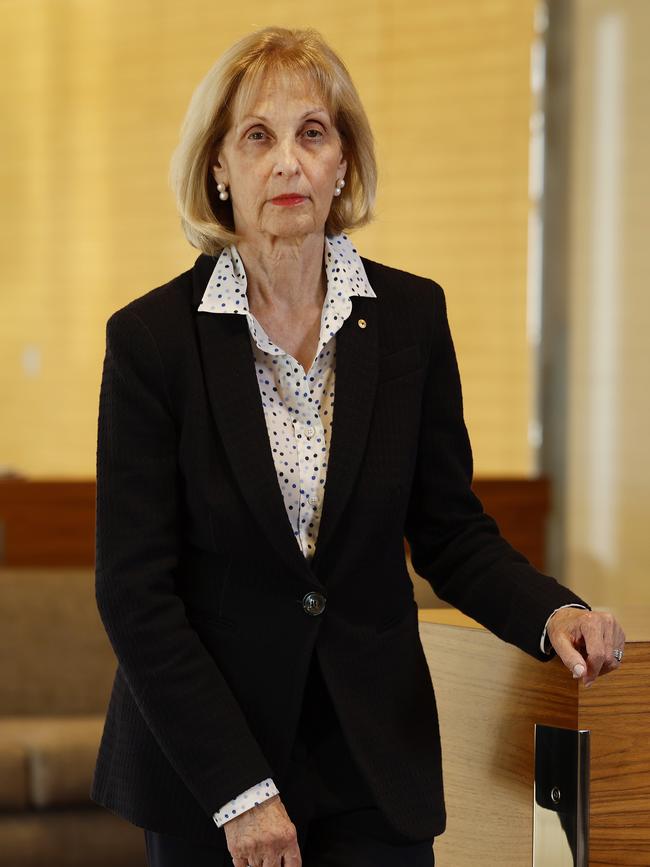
(490, 695)
(447, 617)
(635, 621)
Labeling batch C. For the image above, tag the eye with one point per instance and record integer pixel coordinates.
(313, 133)
(256, 135)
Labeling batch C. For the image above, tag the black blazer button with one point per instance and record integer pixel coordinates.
(313, 603)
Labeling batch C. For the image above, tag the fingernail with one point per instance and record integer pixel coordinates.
(588, 684)
(578, 670)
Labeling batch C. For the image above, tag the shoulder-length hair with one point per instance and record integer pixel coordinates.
(233, 80)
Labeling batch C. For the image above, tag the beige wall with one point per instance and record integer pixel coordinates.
(92, 95)
(608, 484)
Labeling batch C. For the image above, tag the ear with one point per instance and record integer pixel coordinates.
(218, 170)
(218, 174)
(342, 167)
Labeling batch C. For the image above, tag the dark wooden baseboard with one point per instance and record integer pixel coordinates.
(51, 522)
(47, 522)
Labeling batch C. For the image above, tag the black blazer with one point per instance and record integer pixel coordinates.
(204, 592)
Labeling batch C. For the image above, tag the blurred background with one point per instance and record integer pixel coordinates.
(512, 139)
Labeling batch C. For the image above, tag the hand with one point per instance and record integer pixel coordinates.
(263, 836)
(585, 641)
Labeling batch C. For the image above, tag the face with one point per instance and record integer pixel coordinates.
(280, 161)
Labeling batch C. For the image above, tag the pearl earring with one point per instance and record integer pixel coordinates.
(224, 195)
(340, 183)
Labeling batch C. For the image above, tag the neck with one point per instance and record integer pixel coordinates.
(284, 273)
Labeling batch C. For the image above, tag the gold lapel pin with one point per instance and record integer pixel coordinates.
(362, 323)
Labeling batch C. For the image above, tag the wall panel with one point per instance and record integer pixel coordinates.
(92, 97)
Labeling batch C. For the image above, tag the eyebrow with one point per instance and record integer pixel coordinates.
(321, 110)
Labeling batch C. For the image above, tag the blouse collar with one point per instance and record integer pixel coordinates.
(345, 274)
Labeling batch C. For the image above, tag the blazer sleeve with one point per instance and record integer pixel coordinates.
(176, 684)
(454, 544)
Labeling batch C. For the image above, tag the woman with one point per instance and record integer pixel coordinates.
(272, 704)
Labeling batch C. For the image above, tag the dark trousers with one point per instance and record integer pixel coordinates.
(325, 796)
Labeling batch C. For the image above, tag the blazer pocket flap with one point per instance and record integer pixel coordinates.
(399, 619)
(210, 618)
(400, 363)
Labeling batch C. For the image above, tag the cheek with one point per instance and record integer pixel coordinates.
(323, 179)
(249, 189)
(327, 176)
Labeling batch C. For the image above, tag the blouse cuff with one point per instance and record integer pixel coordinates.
(250, 798)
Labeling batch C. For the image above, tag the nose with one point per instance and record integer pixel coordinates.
(286, 163)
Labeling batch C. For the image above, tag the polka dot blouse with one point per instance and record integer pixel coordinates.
(298, 405)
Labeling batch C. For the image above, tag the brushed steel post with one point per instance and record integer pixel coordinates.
(561, 799)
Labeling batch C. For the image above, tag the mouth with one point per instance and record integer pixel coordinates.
(289, 200)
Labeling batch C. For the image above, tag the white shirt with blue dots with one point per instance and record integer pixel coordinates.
(298, 406)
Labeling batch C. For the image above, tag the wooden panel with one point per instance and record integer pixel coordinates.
(88, 221)
(617, 711)
(47, 523)
(490, 695)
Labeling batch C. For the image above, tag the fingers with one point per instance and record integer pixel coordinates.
(289, 858)
(613, 639)
(565, 649)
(292, 857)
(597, 633)
(597, 636)
(602, 635)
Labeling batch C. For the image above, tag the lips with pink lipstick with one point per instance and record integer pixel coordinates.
(289, 199)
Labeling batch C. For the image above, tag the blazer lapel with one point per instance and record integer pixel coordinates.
(233, 392)
(234, 397)
(357, 366)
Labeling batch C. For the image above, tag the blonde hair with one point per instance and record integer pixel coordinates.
(207, 221)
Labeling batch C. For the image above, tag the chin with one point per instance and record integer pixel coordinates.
(292, 227)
